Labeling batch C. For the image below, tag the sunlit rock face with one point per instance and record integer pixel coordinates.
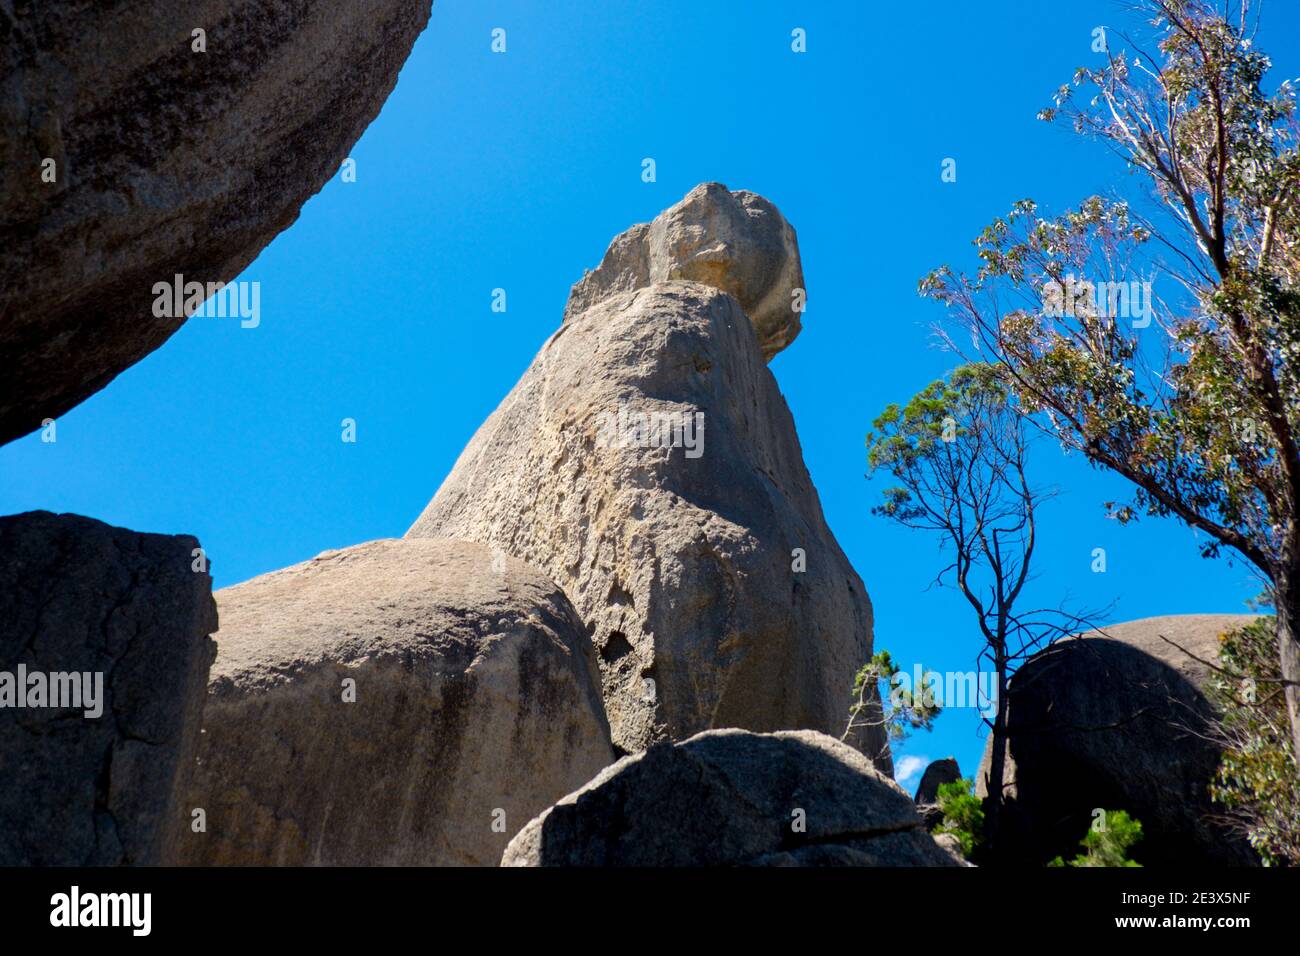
(734, 241)
(647, 462)
(398, 702)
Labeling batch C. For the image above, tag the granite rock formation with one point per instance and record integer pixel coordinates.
(730, 797)
(131, 157)
(1117, 722)
(647, 462)
(111, 625)
(393, 703)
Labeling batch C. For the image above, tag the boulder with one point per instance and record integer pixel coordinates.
(1117, 720)
(731, 797)
(734, 241)
(104, 654)
(647, 462)
(396, 702)
(936, 775)
(166, 161)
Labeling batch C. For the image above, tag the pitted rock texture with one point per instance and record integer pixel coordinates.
(1117, 722)
(79, 597)
(730, 797)
(711, 585)
(475, 704)
(166, 161)
(734, 241)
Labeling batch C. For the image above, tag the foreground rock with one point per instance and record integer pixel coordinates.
(165, 160)
(108, 623)
(729, 797)
(647, 462)
(1118, 723)
(397, 702)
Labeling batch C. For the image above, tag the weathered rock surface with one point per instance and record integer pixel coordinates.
(734, 241)
(79, 597)
(688, 567)
(476, 702)
(936, 775)
(166, 161)
(1117, 722)
(730, 797)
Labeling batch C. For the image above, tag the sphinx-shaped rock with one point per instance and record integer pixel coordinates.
(647, 462)
(730, 797)
(111, 627)
(734, 241)
(396, 702)
(1117, 722)
(130, 156)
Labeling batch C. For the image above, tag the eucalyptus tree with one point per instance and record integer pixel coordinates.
(1196, 400)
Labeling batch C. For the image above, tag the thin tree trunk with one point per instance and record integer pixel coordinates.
(1287, 602)
(997, 765)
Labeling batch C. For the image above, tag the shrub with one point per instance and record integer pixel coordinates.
(963, 814)
(1109, 843)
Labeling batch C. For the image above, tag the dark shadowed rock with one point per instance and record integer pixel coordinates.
(1117, 723)
(730, 797)
(475, 704)
(699, 559)
(166, 161)
(936, 775)
(78, 596)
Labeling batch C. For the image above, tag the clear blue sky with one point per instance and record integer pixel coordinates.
(515, 171)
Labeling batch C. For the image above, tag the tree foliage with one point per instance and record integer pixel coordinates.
(1107, 845)
(957, 451)
(1200, 408)
(901, 709)
(1256, 781)
(963, 815)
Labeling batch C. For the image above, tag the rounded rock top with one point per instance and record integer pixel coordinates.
(734, 241)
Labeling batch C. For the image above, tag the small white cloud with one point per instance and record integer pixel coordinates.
(909, 768)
